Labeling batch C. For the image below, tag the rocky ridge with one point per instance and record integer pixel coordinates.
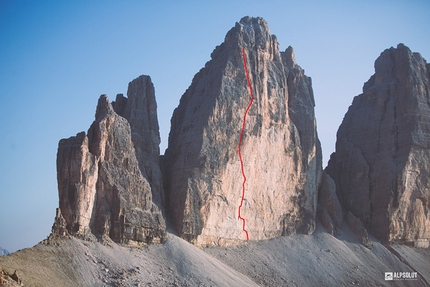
(281, 150)
(381, 162)
(111, 183)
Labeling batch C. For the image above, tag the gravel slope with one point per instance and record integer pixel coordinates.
(300, 260)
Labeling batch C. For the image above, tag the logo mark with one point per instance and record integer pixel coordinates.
(389, 276)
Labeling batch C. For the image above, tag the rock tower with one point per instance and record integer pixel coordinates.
(108, 177)
(280, 149)
(381, 164)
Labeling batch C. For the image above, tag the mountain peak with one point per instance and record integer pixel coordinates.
(203, 178)
(382, 150)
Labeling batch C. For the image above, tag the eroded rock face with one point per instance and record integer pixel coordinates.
(281, 150)
(382, 159)
(102, 189)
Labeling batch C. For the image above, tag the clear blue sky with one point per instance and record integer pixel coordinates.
(56, 58)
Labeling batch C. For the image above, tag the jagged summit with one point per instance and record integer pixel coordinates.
(251, 33)
(382, 151)
(396, 63)
(104, 108)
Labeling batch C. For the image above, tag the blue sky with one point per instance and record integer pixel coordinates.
(58, 57)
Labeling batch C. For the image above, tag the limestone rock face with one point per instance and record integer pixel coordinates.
(77, 172)
(382, 157)
(140, 110)
(280, 149)
(101, 187)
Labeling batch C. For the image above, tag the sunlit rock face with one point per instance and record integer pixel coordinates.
(382, 161)
(280, 149)
(105, 184)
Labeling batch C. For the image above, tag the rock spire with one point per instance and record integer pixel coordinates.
(108, 176)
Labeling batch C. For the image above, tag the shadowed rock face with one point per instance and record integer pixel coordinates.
(281, 151)
(104, 189)
(329, 207)
(382, 159)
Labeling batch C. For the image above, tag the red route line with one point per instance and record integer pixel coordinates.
(241, 139)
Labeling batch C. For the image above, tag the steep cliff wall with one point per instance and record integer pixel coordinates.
(381, 164)
(281, 151)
